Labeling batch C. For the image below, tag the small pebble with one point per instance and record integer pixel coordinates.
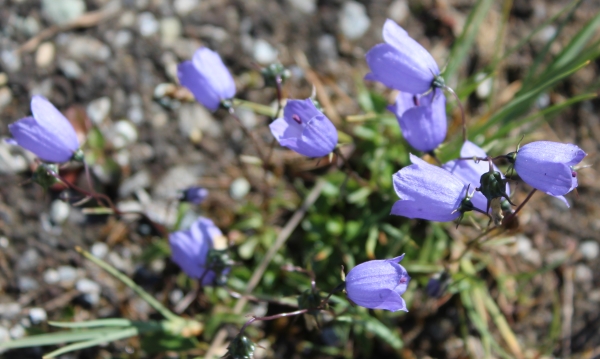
(4, 335)
(83, 48)
(44, 56)
(239, 188)
(5, 97)
(399, 11)
(99, 109)
(122, 39)
(9, 310)
(26, 284)
(264, 53)
(4, 242)
(16, 332)
(124, 133)
(99, 250)
(51, 276)
(353, 20)
(175, 296)
(37, 315)
(70, 68)
(11, 60)
(28, 260)
(67, 275)
(62, 11)
(3, 79)
(85, 285)
(484, 89)
(170, 29)
(183, 7)
(589, 249)
(327, 45)
(304, 6)
(59, 211)
(583, 274)
(147, 24)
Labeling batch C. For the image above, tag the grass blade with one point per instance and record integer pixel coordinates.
(108, 337)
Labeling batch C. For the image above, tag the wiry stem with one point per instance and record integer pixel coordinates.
(462, 111)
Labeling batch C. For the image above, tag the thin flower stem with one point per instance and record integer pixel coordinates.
(278, 82)
(510, 218)
(248, 134)
(272, 317)
(462, 111)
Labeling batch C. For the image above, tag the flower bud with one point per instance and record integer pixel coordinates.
(275, 73)
(194, 195)
(240, 348)
(438, 284)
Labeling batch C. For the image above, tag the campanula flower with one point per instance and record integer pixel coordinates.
(190, 249)
(305, 129)
(422, 119)
(470, 171)
(195, 195)
(378, 284)
(207, 78)
(48, 134)
(402, 63)
(429, 192)
(548, 166)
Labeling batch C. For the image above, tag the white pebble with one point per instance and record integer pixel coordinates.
(124, 134)
(5, 97)
(99, 109)
(354, 21)
(583, 274)
(183, 7)
(45, 54)
(51, 276)
(87, 286)
(484, 89)
(99, 250)
(17, 331)
(147, 24)
(59, 211)
(399, 11)
(63, 11)
(67, 274)
(589, 249)
(37, 315)
(264, 53)
(304, 6)
(239, 188)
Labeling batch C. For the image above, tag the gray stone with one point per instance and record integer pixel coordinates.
(263, 52)
(85, 285)
(44, 56)
(67, 275)
(589, 249)
(37, 315)
(239, 188)
(11, 60)
(28, 260)
(4, 336)
(147, 24)
(99, 109)
(3, 79)
(122, 39)
(304, 6)
(353, 20)
(583, 274)
(123, 133)
(63, 11)
(16, 332)
(9, 310)
(26, 284)
(140, 179)
(327, 45)
(70, 68)
(82, 48)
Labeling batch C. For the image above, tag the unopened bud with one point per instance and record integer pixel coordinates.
(240, 348)
(43, 175)
(275, 73)
(438, 284)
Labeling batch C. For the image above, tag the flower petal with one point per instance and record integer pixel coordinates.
(30, 135)
(54, 123)
(549, 151)
(427, 192)
(398, 70)
(396, 36)
(303, 109)
(190, 78)
(212, 68)
(319, 137)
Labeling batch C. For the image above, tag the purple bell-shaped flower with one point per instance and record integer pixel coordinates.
(48, 134)
(429, 192)
(378, 284)
(305, 129)
(402, 63)
(207, 78)
(422, 119)
(548, 166)
(190, 249)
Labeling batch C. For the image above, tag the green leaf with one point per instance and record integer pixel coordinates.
(161, 342)
(100, 339)
(374, 326)
(57, 338)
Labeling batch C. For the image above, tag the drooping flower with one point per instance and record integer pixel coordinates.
(190, 249)
(401, 63)
(429, 192)
(207, 78)
(305, 129)
(470, 171)
(422, 119)
(48, 134)
(378, 284)
(547, 166)
(195, 195)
